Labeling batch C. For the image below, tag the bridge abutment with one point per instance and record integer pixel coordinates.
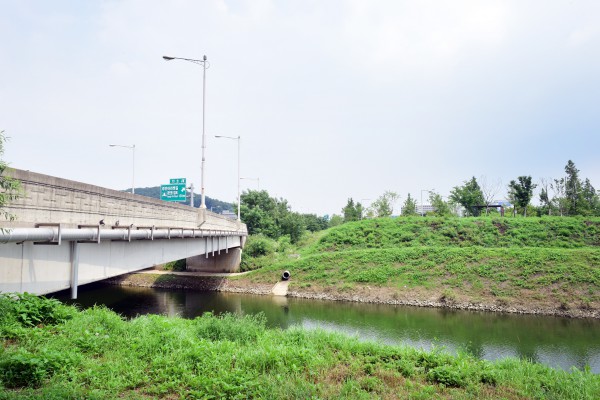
(223, 262)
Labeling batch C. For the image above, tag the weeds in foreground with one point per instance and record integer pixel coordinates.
(97, 354)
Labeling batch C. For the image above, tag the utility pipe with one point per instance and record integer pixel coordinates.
(52, 234)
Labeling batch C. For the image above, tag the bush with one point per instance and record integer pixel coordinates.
(31, 310)
(179, 265)
(259, 245)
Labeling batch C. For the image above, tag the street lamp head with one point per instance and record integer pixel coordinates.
(169, 58)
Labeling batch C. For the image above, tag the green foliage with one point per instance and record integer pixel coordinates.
(572, 196)
(228, 327)
(273, 218)
(239, 357)
(521, 192)
(292, 225)
(468, 195)
(552, 232)
(335, 220)
(25, 369)
(259, 251)
(352, 212)
(314, 223)
(442, 209)
(179, 265)
(384, 205)
(409, 208)
(259, 245)
(31, 310)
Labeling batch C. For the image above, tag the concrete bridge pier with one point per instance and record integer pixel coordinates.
(224, 262)
(219, 256)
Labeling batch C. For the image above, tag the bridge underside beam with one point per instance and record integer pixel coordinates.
(42, 269)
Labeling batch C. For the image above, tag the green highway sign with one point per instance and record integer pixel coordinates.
(175, 192)
(177, 181)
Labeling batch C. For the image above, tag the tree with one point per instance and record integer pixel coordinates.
(468, 195)
(384, 205)
(559, 201)
(335, 220)
(352, 212)
(591, 201)
(409, 208)
(573, 191)
(489, 190)
(315, 223)
(545, 201)
(521, 192)
(10, 188)
(440, 206)
(259, 213)
(292, 225)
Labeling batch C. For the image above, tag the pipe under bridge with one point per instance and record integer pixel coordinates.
(69, 233)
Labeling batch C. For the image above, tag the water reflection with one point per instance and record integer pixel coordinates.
(558, 342)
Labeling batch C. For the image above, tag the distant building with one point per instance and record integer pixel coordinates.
(425, 208)
(229, 214)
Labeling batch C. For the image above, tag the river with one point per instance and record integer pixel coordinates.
(553, 341)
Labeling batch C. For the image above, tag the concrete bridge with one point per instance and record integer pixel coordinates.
(69, 233)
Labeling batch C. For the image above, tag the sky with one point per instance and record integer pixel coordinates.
(331, 99)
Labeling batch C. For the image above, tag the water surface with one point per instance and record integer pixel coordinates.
(554, 341)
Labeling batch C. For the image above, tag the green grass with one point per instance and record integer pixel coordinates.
(547, 232)
(95, 354)
(553, 262)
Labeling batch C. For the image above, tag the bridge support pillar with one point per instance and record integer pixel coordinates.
(74, 268)
(224, 262)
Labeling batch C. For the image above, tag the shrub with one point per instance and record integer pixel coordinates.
(259, 245)
(32, 310)
(179, 265)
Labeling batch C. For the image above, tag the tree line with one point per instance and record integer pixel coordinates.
(274, 218)
(566, 196)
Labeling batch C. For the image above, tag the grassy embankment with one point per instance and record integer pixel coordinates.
(527, 263)
(52, 351)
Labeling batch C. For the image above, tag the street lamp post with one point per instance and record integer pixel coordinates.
(238, 180)
(423, 208)
(132, 147)
(205, 65)
(253, 179)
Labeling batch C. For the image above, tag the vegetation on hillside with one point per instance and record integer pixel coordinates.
(273, 218)
(50, 350)
(549, 262)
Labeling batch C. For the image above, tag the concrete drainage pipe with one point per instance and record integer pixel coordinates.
(286, 275)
